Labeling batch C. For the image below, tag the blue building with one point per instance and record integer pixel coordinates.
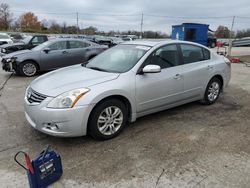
(191, 32)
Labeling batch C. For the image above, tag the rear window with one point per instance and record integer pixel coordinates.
(2, 36)
(192, 53)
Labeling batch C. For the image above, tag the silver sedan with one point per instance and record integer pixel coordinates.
(124, 83)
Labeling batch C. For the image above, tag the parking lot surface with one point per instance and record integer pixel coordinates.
(189, 146)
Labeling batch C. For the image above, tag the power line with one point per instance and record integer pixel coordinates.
(55, 13)
(186, 17)
(135, 14)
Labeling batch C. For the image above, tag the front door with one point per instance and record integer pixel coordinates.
(156, 90)
(57, 56)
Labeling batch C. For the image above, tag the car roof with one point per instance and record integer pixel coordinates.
(152, 43)
(71, 39)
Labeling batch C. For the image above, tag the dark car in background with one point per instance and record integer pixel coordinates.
(16, 37)
(51, 55)
(102, 40)
(211, 40)
(27, 43)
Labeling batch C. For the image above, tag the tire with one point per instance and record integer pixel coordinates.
(107, 113)
(213, 91)
(213, 45)
(27, 68)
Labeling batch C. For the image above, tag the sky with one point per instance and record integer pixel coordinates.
(123, 15)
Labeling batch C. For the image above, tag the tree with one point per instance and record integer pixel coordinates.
(64, 27)
(71, 29)
(243, 33)
(5, 16)
(55, 27)
(90, 30)
(222, 32)
(29, 22)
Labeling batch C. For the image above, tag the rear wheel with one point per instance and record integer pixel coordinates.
(107, 119)
(213, 91)
(27, 68)
(213, 45)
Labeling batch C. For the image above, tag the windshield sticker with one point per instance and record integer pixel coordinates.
(146, 48)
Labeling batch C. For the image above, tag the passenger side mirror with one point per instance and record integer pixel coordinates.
(46, 50)
(151, 69)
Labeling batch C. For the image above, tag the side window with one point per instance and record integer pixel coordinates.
(61, 45)
(192, 54)
(37, 40)
(78, 44)
(206, 54)
(165, 57)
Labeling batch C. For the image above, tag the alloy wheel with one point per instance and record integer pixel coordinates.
(29, 69)
(110, 120)
(213, 91)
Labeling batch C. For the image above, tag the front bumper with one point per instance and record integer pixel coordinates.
(58, 122)
(8, 66)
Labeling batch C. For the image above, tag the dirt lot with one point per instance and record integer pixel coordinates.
(189, 146)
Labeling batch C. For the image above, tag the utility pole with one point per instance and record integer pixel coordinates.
(141, 25)
(77, 24)
(231, 40)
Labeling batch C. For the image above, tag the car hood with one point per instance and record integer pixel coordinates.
(17, 53)
(10, 45)
(66, 79)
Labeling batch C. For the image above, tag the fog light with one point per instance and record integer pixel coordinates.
(51, 126)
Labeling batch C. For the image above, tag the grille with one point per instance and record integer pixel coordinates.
(35, 97)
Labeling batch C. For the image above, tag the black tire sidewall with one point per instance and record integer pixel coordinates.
(20, 68)
(213, 45)
(206, 100)
(92, 124)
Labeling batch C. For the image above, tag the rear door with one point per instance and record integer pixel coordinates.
(78, 51)
(196, 69)
(156, 90)
(58, 56)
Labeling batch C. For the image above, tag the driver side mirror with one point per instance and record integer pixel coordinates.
(46, 50)
(151, 69)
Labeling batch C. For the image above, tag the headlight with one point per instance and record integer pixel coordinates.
(68, 99)
(3, 50)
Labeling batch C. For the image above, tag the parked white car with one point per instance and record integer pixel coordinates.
(5, 39)
(124, 83)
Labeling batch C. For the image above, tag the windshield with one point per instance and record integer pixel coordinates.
(26, 40)
(2, 36)
(41, 46)
(118, 59)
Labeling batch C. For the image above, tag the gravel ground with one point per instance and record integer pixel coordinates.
(189, 146)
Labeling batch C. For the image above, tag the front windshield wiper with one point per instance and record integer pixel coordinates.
(98, 69)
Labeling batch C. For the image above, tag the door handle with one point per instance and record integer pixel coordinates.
(177, 77)
(209, 67)
(65, 52)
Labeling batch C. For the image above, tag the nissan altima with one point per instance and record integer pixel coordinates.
(124, 83)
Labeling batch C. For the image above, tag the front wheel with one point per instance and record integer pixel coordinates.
(27, 68)
(107, 119)
(213, 91)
